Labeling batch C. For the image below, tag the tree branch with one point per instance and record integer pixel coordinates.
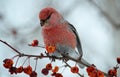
(64, 56)
(10, 46)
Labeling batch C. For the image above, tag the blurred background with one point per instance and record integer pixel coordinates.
(97, 22)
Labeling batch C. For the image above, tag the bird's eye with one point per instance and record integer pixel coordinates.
(42, 22)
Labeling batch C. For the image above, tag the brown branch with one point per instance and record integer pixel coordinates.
(37, 46)
(64, 56)
(10, 46)
(75, 60)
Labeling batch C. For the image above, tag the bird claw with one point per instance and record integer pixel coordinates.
(52, 59)
(65, 59)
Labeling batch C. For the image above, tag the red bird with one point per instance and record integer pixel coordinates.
(60, 33)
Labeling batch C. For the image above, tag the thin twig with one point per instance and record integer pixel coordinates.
(36, 64)
(37, 46)
(25, 60)
(10, 46)
(17, 61)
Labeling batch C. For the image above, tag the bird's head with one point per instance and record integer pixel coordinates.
(45, 15)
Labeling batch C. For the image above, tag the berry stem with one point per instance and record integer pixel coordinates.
(36, 64)
(17, 61)
(25, 60)
(37, 46)
(14, 56)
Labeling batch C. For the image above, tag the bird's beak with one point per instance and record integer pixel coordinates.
(42, 22)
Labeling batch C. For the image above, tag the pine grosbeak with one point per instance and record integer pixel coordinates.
(60, 33)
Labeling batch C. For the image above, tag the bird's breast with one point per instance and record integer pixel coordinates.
(54, 35)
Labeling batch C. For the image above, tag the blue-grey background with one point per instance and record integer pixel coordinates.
(97, 22)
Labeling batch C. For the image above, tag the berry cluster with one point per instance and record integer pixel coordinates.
(112, 72)
(49, 48)
(55, 70)
(8, 64)
(94, 72)
(91, 70)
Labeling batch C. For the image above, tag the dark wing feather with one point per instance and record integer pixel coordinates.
(79, 47)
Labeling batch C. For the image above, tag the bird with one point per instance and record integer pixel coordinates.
(58, 32)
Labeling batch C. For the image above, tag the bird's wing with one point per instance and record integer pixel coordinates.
(79, 47)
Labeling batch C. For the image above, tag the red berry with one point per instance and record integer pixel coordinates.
(112, 72)
(35, 43)
(45, 71)
(33, 74)
(19, 69)
(8, 63)
(74, 69)
(49, 66)
(50, 48)
(100, 73)
(56, 68)
(118, 60)
(28, 70)
(58, 75)
(93, 74)
(90, 69)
